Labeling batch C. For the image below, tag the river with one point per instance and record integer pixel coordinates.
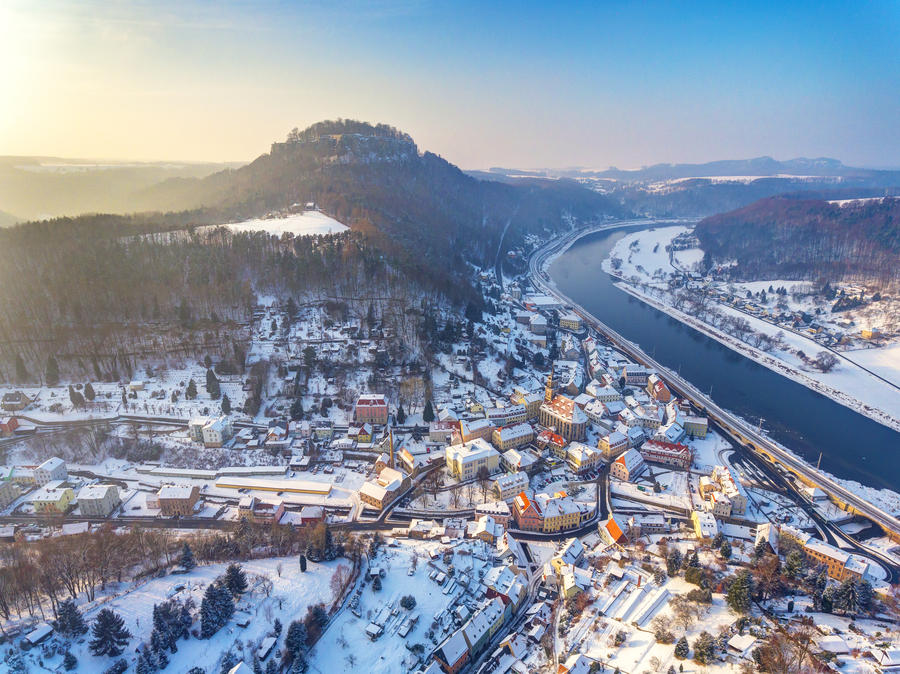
(853, 446)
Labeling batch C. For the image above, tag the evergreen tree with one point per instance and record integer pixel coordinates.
(228, 662)
(257, 665)
(682, 649)
(226, 404)
(302, 563)
(70, 662)
(196, 670)
(297, 409)
(725, 550)
(118, 667)
(704, 647)
(299, 664)
(853, 596)
(75, 397)
(21, 371)
(276, 627)
(185, 620)
(215, 609)
(89, 392)
(52, 372)
(401, 415)
(428, 414)
(271, 667)
(212, 385)
(295, 639)
(146, 663)
(190, 392)
(110, 634)
(740, 591)
(187, 558)
(673, 561)
(235, 579)
(793, 563)
(69, 622)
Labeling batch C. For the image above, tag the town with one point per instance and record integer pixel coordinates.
(532, 499)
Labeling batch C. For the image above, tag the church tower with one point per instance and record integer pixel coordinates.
(548, 389)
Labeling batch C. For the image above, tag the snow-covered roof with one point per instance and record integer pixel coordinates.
(178, 491)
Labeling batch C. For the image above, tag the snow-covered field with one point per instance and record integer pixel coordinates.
(299, 224)
(292, 592)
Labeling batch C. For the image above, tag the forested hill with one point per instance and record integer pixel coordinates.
(801, 238)
(374, 178)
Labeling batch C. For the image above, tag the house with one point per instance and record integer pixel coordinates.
(705, 525)
(466, 460)
(573, 580)
(628, 466)
(612, 444)
(386, 487)
(135, 386)
(507, 583)
(311, 515)
(581, 458)
(473, 430)
(9, 492)
(657, 389)
(668, 453)
(441, 431)
(538, 324)
(15, 401)
(506, 486)
(498, 510)
(53, 500)
(733, 489)
(571, 321)
(741, 645)
(361, 433)
(178, 500)
(38, 634)
(549, 513)
(577, 663)
(531, 402)
(572, 551)
(767, 533)
(98, 500)
(260, 511)
(516, 460)
(8, 426)
(51, 470)
(695, 426)
(371, 408)
(483, 625)
(486, 529)
(217, 432)
(510, 437)
(612, 532)
(509, 415)
(453, 653)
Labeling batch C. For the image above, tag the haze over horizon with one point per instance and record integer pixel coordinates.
(527, 85)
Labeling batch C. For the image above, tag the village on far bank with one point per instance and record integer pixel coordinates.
(527, 499)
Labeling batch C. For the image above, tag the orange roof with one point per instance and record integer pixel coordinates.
(614, 530)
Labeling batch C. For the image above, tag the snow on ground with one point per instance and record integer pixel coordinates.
(299, 224)
(292, 592)
(643, 254)
(345, 646)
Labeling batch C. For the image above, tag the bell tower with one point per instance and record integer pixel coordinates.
(548, 389)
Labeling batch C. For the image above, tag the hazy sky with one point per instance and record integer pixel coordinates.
(482, 83)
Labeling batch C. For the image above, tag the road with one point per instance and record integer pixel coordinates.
(736, 428)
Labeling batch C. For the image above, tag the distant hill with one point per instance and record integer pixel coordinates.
(755, 167)
(44, 187)
(800, 238)
(7, 219)
(375, 179)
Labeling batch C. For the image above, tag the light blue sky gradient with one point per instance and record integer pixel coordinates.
(481, 83)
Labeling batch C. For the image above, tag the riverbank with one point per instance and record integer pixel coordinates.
(643, 268)
(768, 360)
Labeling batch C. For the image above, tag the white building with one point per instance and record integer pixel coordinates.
(51, 470)
(98, 500)
(508, 486)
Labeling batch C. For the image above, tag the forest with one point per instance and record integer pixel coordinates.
(807, 239)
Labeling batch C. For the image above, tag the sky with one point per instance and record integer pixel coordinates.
(514, 84)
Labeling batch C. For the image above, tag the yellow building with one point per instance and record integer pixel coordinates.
(560, 512)
(531, 401)
(464, 461)
(582, 458)
(510, 437)
(571, 321)
(50, 501)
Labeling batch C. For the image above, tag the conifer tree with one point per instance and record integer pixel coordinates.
(295, 639)
(69, 622)
(187, 558)
(190, 393)
(235, 579)
(70, 662)
(52, 373)
(212, 385)
(89, 392)
(110, 634)
(226, 404)
(428, 414)
(682, 649)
